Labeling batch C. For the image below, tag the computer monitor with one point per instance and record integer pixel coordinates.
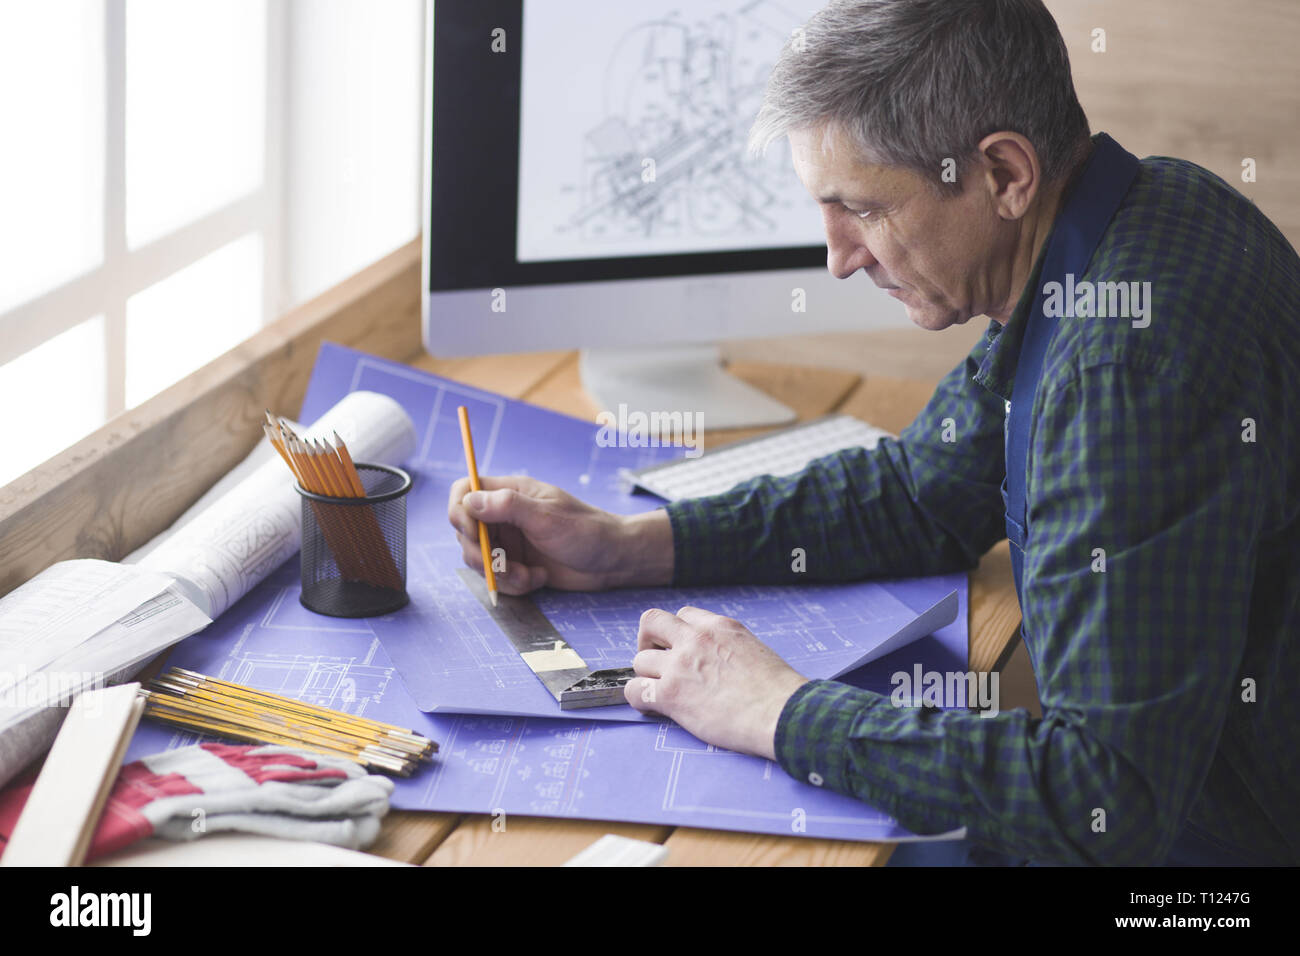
(588, 185)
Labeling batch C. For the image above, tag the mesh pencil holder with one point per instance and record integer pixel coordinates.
(354, 549)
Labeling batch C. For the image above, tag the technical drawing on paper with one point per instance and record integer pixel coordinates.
(558, 768)
(336, 663)
(351, 684)
(512, 760)
(439, 451)
(453, 658)
(693, 774)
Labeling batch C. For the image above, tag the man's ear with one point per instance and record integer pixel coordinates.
(1012, 174)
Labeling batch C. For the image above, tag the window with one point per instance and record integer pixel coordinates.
(176, 174)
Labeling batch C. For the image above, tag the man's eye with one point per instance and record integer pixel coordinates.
(860, 213)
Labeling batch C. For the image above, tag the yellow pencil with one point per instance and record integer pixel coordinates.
(470, 463)
(353, 536)
(349, 468)
(283, 701)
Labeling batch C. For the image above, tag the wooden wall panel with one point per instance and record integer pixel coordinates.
(1212, 81)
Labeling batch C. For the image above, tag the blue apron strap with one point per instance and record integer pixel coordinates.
(1082, 222)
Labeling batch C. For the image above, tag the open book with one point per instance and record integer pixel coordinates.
(88, 623)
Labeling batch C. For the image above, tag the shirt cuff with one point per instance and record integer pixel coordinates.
(700, 528)
(813, 730)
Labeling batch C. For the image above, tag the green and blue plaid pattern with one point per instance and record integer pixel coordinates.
(1169, 675)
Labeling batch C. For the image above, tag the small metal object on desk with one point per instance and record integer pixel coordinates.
(558, 666)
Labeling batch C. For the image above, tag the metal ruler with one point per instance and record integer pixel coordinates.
(557, 665)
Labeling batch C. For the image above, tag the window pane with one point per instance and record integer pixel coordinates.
(355, 137)
(54, 396)
(195, 109)
(52, 160)
(191, 317)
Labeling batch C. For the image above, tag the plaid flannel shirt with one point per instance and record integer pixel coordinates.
(1169, 680)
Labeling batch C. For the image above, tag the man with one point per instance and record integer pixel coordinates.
(1128, 420)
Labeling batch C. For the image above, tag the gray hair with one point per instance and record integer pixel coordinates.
(913, 83)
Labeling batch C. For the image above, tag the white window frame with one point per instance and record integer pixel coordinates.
(123, 272)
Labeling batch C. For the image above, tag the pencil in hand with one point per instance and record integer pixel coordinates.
(463, 413)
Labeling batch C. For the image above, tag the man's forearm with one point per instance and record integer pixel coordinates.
(644, 557)
(1012, 781)
(847, 516)
(928, 503)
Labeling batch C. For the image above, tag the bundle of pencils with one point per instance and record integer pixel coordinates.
(353, 535)
(184, 698)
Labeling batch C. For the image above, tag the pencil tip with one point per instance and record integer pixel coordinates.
(493, 596)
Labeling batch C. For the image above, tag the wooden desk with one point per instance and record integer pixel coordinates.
(120, 486)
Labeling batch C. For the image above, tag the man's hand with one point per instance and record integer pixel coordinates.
(550, 538)
(713, 677)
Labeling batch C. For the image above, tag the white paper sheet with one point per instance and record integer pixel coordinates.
(63, 607)
(137, 636)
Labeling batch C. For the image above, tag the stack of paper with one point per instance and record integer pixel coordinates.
(71, 626)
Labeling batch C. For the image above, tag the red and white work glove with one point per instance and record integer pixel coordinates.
(271, 790)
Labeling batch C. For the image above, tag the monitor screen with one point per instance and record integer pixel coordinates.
(586, 139)
(640, 148)
(588, 180)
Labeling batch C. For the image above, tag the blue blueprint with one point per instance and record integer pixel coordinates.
(647, 772)
(598, 770)
(448, 650)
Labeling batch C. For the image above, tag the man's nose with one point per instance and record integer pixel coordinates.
(845, 252)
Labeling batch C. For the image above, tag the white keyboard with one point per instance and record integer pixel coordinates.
(781, 453)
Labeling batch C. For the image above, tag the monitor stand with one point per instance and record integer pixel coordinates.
(687, 378)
